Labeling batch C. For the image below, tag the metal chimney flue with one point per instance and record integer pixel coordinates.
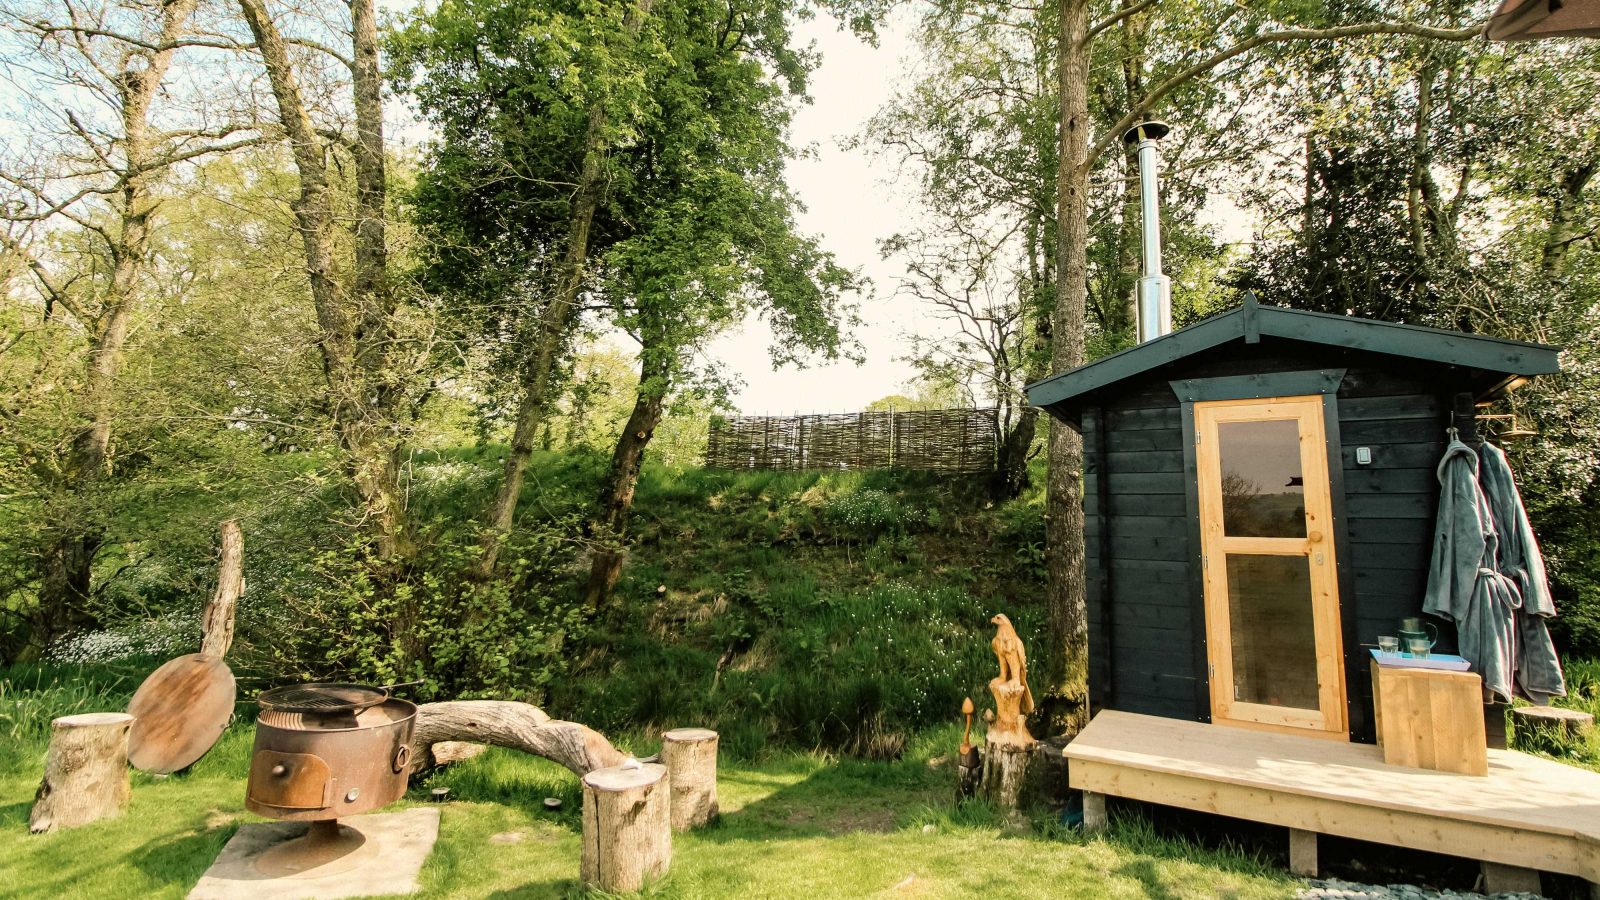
(1155, 289)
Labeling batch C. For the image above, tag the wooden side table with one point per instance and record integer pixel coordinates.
(1430, 719)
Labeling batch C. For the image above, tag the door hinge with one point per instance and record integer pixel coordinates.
(1205, 561)
(1197, 433)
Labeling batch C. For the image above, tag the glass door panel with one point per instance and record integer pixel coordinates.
(1272, 607)
(1270, 627)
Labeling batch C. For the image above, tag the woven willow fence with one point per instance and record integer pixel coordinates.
(935, 440)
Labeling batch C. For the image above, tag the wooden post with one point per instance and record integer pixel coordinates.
(85, 771)
(690, 755)
(1303, 852)
(216, 621)
(1503, 879)
(627, 827)
(1094, 812)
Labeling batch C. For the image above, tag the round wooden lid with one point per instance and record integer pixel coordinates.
(179, 713)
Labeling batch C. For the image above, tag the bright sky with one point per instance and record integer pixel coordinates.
(851, 205)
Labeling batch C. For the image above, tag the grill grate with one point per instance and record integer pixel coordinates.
(322, 698)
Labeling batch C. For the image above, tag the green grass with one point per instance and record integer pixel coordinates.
(793, 825)
(1583, 693)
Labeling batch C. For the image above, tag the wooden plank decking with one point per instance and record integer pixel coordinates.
(1528, 811)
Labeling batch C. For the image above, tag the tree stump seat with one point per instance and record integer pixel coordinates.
(85, 771)
(690, 755)
(1550, 723)
(627, 827)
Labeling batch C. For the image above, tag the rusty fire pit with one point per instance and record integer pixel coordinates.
(323, 751)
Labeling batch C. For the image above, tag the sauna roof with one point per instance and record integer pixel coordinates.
(1493, 364)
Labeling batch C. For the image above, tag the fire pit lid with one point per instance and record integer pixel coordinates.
(326, 697)
(179, 712)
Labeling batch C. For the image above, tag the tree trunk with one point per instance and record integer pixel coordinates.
(85, 772)
(627, 833)
(609, 527)
(216, 620)
(67, 578)
(556, 321)
(1066, 688)
(1563, 231)
(356, 343)
(519, 726)
(690, 755)
(1012, 465)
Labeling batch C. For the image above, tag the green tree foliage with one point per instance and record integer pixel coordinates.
(696, 229)
(1451, 186)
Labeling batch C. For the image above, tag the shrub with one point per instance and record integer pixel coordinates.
(462, 635)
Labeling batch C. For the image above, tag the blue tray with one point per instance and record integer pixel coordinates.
(1446, 661)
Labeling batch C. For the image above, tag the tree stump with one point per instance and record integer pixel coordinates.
(690, 755)
(85, 771)
(1009, 772)
(627, 827)
(1538, 726)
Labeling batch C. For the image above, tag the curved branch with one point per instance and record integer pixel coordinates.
(1103, 24)
(1160, 91)
(519, 726)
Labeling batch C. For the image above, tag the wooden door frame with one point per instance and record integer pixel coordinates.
(1324, 536)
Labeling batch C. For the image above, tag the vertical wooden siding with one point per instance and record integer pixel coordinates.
(1142, 588)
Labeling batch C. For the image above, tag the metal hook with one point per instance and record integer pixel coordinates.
(1453, 432)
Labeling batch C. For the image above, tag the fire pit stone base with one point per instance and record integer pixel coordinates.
(387, 862)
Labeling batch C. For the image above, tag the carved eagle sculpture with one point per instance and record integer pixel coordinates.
(1013, 659)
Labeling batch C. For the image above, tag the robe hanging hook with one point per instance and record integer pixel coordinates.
(1453, 432)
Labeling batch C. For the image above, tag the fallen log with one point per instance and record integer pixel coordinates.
(507, 723)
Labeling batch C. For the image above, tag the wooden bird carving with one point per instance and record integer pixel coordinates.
(1013, 659)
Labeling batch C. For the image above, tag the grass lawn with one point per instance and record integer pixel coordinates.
(793, 825)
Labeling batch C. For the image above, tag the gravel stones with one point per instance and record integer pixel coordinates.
(1334, 889)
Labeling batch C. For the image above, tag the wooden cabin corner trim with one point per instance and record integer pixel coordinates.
(1196, 574)
(1357, 722)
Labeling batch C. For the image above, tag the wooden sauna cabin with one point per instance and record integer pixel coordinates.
(1259, 498)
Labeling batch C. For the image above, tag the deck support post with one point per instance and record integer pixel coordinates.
(1094, 812)
(1303, 852)
(1503, 879)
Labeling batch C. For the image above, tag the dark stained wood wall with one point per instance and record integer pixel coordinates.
(1143, 591)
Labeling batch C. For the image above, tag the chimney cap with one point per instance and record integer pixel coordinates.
(1153, 130)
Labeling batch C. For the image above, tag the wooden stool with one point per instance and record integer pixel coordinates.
(85, 771)
(1430, 719)
(627, 827)
(690, 755)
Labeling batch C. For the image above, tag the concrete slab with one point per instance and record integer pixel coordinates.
(388, 861)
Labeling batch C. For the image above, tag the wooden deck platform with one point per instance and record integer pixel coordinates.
(1527, 812)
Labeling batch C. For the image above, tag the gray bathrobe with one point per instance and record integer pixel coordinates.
(1463, 583)
(1538, 670)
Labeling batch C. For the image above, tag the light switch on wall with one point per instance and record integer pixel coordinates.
(1364, 456)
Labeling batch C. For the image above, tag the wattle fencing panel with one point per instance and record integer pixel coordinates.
(934, 440)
